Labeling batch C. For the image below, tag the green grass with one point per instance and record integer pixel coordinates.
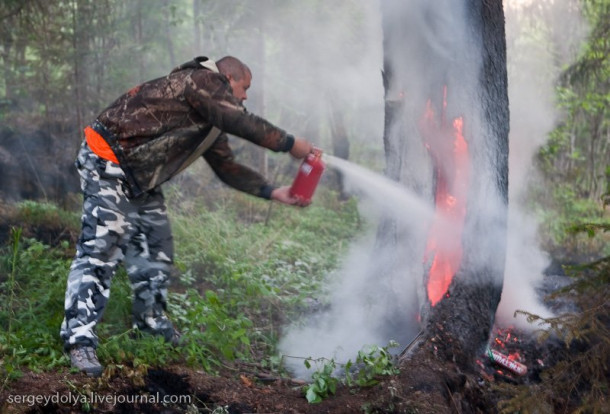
(243, 264)
(261, 264)
(560, 213)
(31, 302)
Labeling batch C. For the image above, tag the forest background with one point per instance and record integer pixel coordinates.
(246, 266)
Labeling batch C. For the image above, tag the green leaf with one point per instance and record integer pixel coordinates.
(312, 396)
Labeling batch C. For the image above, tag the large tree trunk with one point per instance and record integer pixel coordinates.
(446, 138)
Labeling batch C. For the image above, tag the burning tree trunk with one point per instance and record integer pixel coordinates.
(446, 138)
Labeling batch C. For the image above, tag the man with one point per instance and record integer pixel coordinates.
(143, 139)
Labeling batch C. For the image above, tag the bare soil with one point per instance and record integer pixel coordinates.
(185, 390)
(246, 388)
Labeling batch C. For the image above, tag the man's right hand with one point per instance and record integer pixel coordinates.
(301, 148)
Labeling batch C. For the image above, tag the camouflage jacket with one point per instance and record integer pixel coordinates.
(160, 127)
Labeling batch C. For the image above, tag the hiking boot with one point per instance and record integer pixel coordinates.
(172, 336)
(85, 359)
(176, 339)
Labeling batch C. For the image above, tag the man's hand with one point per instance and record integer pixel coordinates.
(301, 148)
(282, 194)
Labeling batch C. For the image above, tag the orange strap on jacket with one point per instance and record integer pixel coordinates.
(99, 146)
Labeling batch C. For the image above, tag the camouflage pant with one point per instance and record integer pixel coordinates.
(117, 229)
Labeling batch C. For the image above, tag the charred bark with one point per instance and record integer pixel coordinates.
(446, 88)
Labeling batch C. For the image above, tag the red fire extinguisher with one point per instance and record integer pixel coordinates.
(308, 176)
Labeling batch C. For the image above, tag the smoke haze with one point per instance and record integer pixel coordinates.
(330, 56)
(323, 67)
(533, 71)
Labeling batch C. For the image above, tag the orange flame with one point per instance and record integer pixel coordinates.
(449, 151)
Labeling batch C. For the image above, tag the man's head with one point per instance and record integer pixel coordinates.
(238, 73)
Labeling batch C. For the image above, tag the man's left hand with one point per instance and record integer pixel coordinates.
(282, 194)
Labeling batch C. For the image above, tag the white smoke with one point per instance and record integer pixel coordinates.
(532, 71)
(348, 325)
(322, 65)
(359, 303)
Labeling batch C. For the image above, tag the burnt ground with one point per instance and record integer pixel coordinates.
(65, 393)
(247, 388)
(236, 392)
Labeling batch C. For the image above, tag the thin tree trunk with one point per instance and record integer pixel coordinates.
(78, 100)
(168, 31)
(259, 155)
(197, 25)
(593, 154)
(340, 143)
(140, 39)
(7, 43)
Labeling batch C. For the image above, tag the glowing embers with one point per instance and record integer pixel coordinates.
(503, 351)
(449, 152)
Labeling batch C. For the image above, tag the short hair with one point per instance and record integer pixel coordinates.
(230, 65)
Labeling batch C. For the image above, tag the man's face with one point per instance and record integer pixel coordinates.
(240, 86)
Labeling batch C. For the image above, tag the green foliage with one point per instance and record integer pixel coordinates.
(558, 224)
(262, 270)
(574, 160)
(64, 58)
(371, 363)
(323, 383)
(31, 306)
(239, 274)
(212, 329)
(576, 154)
(36, 213)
